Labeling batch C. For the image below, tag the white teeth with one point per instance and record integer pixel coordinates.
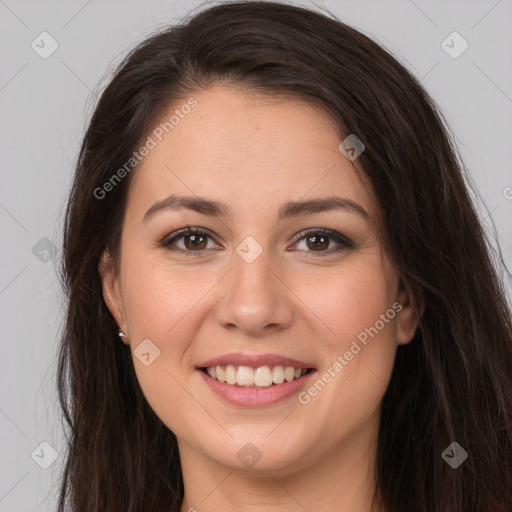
(278, 375)
(221, 374)
(262, 377)
(230, 374)
(245, 376)
(289, 373)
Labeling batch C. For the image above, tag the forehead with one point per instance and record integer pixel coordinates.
(242, 147)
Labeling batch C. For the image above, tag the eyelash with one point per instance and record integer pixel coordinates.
(345, 242)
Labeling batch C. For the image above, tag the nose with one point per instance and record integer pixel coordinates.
(255, 298)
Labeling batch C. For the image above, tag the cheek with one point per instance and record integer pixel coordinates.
(357, 308)
(167, 304)
(161, 303)
(160, 296)
(351, 299)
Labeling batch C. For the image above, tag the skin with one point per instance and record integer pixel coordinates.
(254, 154)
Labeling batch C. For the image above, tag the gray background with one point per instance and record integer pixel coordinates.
(44, 107)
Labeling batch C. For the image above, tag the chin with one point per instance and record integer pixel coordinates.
(256, 452)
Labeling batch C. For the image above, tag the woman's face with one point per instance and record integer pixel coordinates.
(248, 292)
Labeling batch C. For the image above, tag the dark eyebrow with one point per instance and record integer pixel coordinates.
(289, 209)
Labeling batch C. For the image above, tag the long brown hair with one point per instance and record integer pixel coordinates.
(451, 383)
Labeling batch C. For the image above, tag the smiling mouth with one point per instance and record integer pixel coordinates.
(260, 377)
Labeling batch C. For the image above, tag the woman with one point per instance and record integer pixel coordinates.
(269, 213)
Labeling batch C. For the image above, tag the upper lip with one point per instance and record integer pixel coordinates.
(255, 361)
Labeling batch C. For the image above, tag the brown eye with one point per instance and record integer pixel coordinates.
(194, 241)
(319, 240)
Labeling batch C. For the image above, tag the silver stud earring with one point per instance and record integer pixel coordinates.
(121, 334)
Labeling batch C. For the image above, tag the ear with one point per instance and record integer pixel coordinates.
(408, 317)
(111, 288)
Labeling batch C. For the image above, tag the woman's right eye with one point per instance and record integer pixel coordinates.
(195, 241)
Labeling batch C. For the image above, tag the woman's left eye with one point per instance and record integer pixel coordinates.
(320, 238)
(196, 240)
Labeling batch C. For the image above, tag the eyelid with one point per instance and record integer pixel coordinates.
(338, 237)
(180, 233)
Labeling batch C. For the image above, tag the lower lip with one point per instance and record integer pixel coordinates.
(252, 397)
